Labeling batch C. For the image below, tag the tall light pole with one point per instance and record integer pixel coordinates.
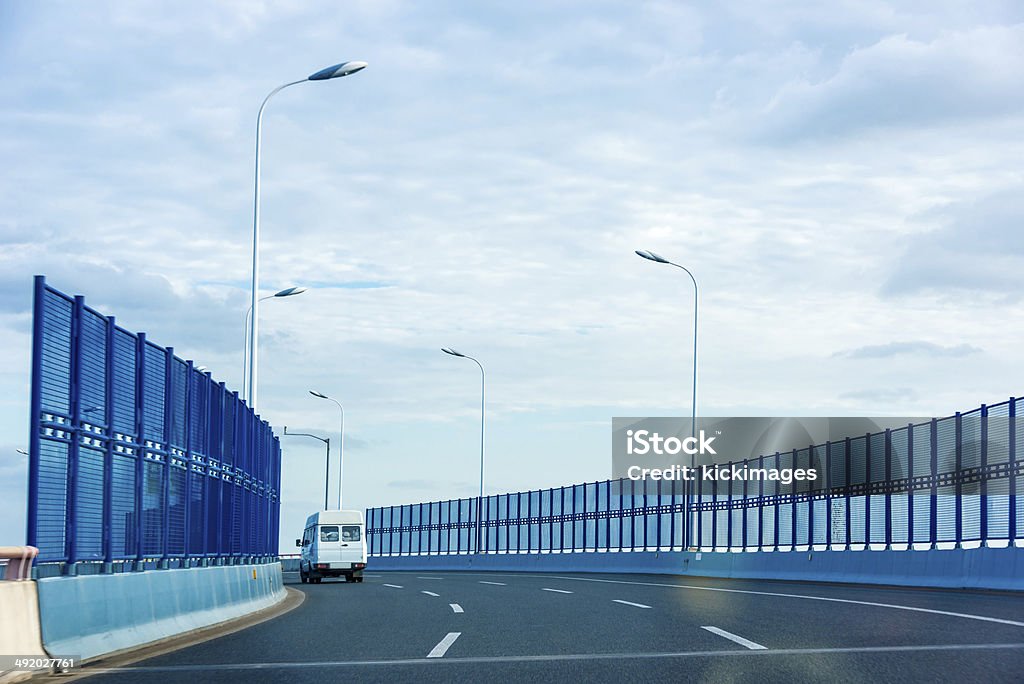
(327, 463)
(341, 449)
(288, 292)
(651, 256)
(480, 500)
(336, 71)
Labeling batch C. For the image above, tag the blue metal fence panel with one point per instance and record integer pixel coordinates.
(135, 455)
(944, 482)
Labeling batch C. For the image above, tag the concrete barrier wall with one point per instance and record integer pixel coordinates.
(982, 568)
(19, 624)
(95, 615)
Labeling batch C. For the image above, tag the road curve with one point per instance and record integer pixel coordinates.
(496, 627)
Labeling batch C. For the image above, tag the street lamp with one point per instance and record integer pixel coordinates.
(327, 463)
(480, 500)
(341, 449)
(336, 71)
(651, 256)
(288, 292)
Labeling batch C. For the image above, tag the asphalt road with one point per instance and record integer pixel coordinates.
(490, 627)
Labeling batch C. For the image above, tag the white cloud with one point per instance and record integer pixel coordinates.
(903, 82)
(493, 171)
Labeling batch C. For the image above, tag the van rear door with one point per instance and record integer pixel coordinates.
(352, 543)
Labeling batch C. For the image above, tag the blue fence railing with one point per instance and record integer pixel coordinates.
(137, 456)
(946, 482)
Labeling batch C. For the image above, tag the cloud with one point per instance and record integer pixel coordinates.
(882, 396)
(902, 82)
(978, 246)
(483, 185)
(431, 485)
(914, 348)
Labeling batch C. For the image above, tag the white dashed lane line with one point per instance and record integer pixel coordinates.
(456, 608)
(429, 593)
(630, 603)
(497, 584)
(557, 591)
(393, 586)
(431, 578)
(443, 645)
(736, 639)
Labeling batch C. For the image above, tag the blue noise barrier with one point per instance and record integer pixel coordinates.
(137, 458)
(947, 483)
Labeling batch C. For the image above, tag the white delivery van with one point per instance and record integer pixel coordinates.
(333, 545)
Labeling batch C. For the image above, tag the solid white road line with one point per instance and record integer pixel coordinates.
(931, 611)
(441, 578)
(737, 639)
(393, 586)
(566, 657)
(630, 603)
(443, 645)
(557, 591)
(372, 575)
(456, 608)
(497, 584)
(429, 593)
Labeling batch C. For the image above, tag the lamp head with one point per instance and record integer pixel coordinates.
(447, 350)
(319, 395)
(337, 71)
(290, 291)
(651, 256)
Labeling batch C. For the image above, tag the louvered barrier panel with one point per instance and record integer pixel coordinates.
(137, 459)
(940, 484)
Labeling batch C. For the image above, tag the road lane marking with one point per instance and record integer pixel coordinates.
(801, 652)
(429, 593)
(630, 603)
(895, 606)
(443, 645)
(456, 608)
(497, 584)
(557, 591)
(440, 578)
(753, 646)
(393, 586)
(372, 575)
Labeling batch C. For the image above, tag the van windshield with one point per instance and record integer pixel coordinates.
(350, 533)
(328, 533)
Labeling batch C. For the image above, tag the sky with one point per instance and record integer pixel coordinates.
(843, 179)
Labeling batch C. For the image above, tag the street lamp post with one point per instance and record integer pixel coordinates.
(336, 71)
(327, 463)
(288, 292)
(341, 449)
(480, 499)
(651, 256)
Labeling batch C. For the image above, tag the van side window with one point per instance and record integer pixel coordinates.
(328, 533)
(350, 533)
(307, 537)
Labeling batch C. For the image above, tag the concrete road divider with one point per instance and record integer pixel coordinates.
(979, 568)
(19, 626)
(95, 615)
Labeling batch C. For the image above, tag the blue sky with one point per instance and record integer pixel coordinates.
(844, 180)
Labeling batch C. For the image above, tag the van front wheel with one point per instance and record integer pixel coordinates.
(303, 577)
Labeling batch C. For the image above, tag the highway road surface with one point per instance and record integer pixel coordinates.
(493, 627)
